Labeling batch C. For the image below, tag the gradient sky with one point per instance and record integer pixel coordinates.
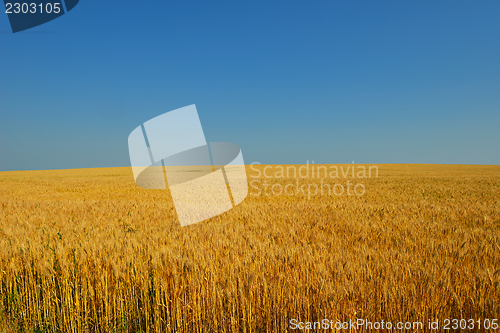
(288, 81)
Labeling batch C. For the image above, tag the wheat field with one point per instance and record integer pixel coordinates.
(86, 250)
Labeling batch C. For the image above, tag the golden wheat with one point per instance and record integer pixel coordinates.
(88, 251)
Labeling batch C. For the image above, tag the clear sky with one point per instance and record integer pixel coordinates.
(288, 81)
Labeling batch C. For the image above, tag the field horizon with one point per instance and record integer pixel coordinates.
(265, 164)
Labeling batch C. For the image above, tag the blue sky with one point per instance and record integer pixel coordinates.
(288, 81)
